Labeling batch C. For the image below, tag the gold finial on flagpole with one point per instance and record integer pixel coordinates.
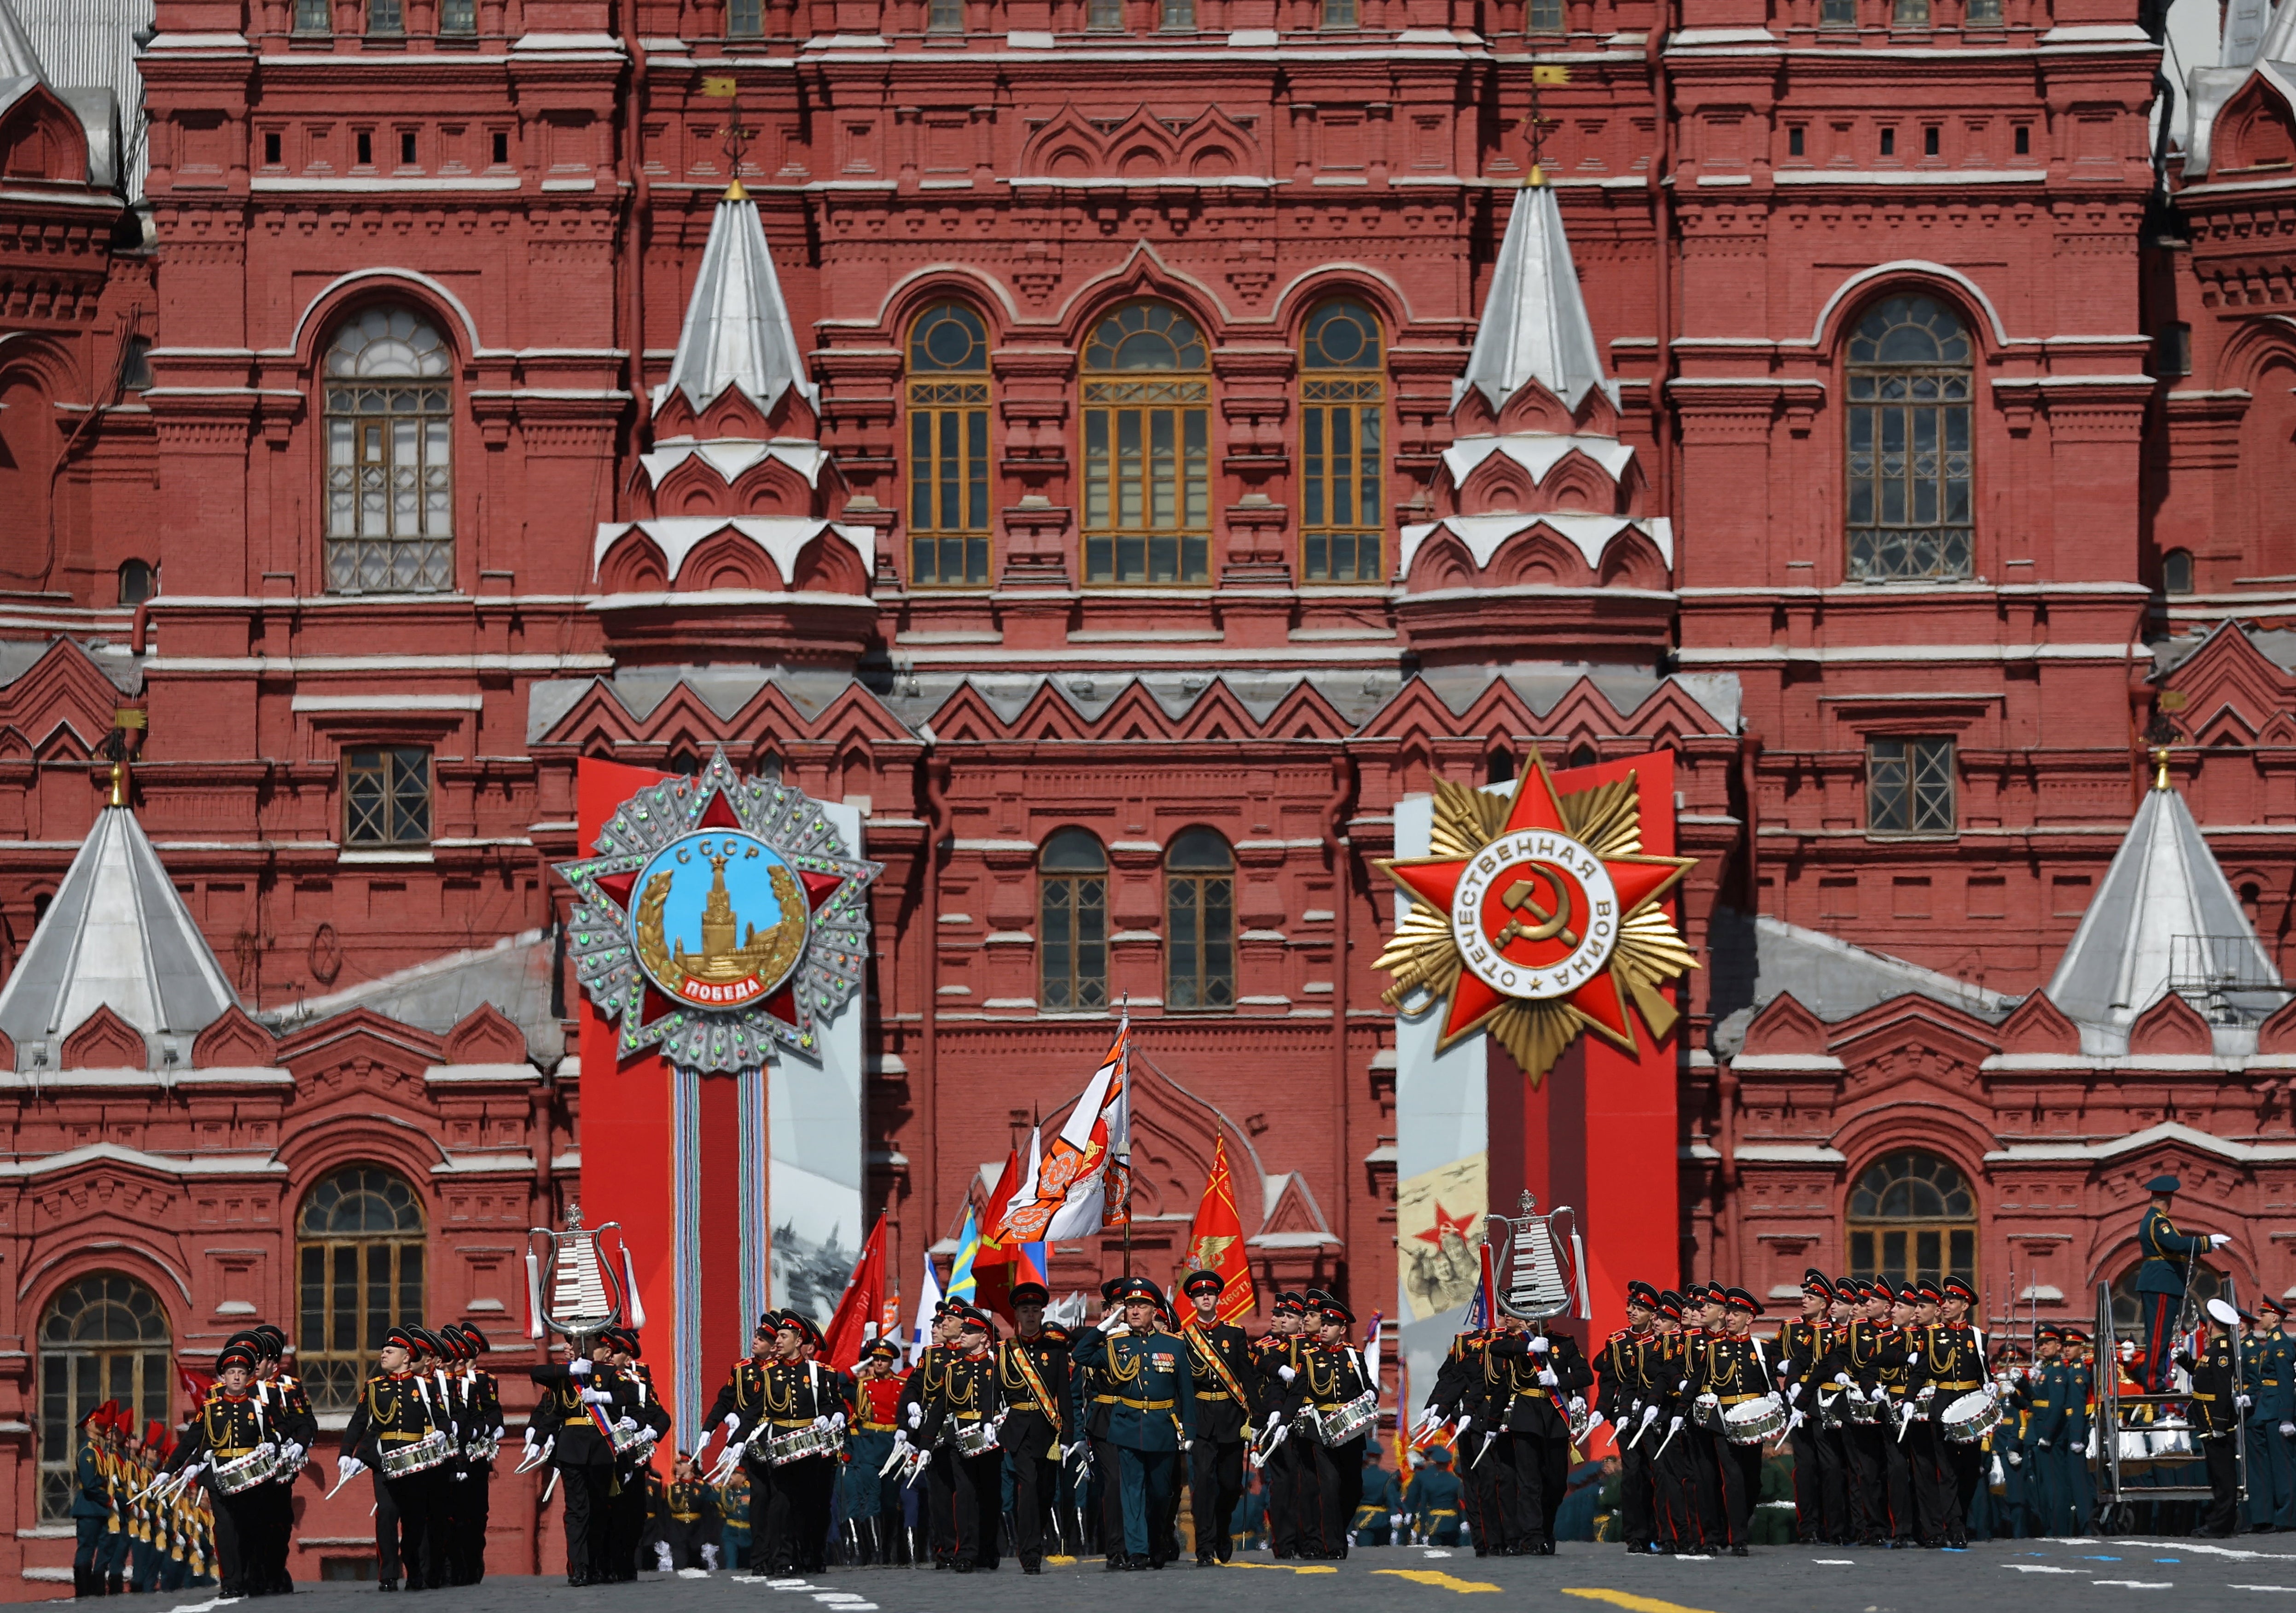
(2160, 768)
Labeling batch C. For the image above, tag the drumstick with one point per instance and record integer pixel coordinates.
(550, 1489)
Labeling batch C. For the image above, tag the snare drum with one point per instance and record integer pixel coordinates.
(1582, 1423)
(1337, 1424)
(798, 1443)
(975, 1438)
(1866, 1412)
(1706, 1413)
(245, 1472)
(1753, 1421)
(1970, 1417)
(434, 1450)
(630, 1439)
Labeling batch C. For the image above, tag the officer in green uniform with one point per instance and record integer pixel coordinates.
(2160, 1279)
(1152, 1413)
(1377, 1505)
(2268, 1370)
(1434, 1500)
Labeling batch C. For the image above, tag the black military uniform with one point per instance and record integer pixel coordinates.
(1857, 1359)
(230, 1425)
(1896, 1347)
(477, 1409)
(1735, 1368)
(288, 1411)
(1674, 1494)
(582, 1401)
(966, 1395)
(1805, 1347)
(789, 1503)
(1032, 1379)
(1336, 1379)
(1952, 1364)
(1533, 1376)
(631, 1538)
(1227, 1410)
(397, 1419)
(2218, 1407)
(1625, 1394)
(1287, 1468)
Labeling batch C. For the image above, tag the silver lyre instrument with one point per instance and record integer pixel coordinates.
(1533, 1283)
(587, 1295)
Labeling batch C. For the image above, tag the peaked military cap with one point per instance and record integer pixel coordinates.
(1202, 1282)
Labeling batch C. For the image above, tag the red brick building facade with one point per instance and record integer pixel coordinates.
(1127, 539)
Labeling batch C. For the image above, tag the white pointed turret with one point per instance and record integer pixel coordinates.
(737, 330)
(1535, 325)
(18, 60)
(118, 935)
(2164, 917)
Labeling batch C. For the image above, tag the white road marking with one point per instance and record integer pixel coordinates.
(2137, 1584)
(2231, 1552)
(2035, 1567)
(2291, 1589)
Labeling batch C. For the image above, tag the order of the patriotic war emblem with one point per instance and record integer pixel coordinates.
(721, 915)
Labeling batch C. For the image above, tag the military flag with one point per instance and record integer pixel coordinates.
(1083, 1183)
(1216, 1239)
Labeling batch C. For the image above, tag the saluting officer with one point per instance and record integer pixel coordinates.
(1227, 1407)
(1032, 1379)
(2160, 1279)
(1152, 1414)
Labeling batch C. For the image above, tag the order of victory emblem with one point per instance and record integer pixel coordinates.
(722, 915)
(1538, 917)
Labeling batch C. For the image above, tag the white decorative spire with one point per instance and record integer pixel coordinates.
(737, 328)
(18, 60)
(2164, 915)
(118, 935)
(1535, 325)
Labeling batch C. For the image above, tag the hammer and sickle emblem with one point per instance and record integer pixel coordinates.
(1521, 896)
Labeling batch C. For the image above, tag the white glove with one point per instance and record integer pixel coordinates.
(1912, 1357)
(1548, 1379)
(662, 1560)
(837, 1420)
(1286, 1374)
(2242, 1401)
(821, 1422)
(626, 1424)
(2216, 1241)
(1465, 1423)
(266, 1449)
(291, 1451)
(1428, 1418)
(1395, 1520)
(346, 1470)
(2288, 1430)
(529, 1439)
(710, 1557)
(498, 1431)
(917, 1416)
(2043, 1444)
(1538, 1345)
(596, 1397)
(2016, 1459)
(1187, 1445)
(1674, 1427)
(732, 1454)
(733, 1421)
(1785, 1366)
(1843, 1379)
(1793, 1393)
(1650, 1416)
(579, 1367)
(1856, 1393)
(1794, 1422)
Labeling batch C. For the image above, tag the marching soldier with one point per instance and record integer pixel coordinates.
(1227, 1407)
(2268, 1368)
(963, 1406)
(91, 1505)
(873, 1497)
(1892, 1364)
(1433, 1500)
(1727, 1369)
(1805, 1347)
(925, 1380)
(1694, 1424)
(398, 1429)
(2219, 1405)
(1032, 1377)
(287, 1409)
(691, 1521)
(1152, 1412)
(783, 1401)
(1336, 1383)
(1287, 1467)
(1624, 1394)
(640, 1425)
(572, 1427)
(2168, 1254)
(480, 1410)
(229, 1428)
(1533, 1376)
(1673, 1495)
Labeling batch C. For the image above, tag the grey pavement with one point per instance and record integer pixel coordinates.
(2046, 1576)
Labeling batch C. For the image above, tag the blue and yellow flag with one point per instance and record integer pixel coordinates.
(968, 1247)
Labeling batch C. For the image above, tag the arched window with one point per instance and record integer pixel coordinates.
(1200, 913)
(359, 1259)
(2205, 1284)
(1147, 448)
(1911, 1218)
(948, 448)
(104, 1338)
(1072, 923)
(1342, 402)
(139, 580)
(390, 478)
(2176, 572)
(1910, 381)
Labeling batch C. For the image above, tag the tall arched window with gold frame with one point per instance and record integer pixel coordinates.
(1912, 1219)
(1342, 448)
(390, 418)
(359, 1258)
(1147, 448)
(948, 449)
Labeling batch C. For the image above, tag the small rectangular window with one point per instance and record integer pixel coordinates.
(502, 148)
(1909, 785)
(386, 16)
(2172, 350)
(1982, 14)
(1837, 13)
(2024, 140)
(1179, 16)
(745, 19)
(311, 16)
(1889, 143)
(271, 150)
(387, 796)
(1341, 14)
(945, 17)
(1104, 16)
(365, 149)
(1543, 17)
(406, 148)
(458, 16)
(1793, 142)
(1910, 14)
(1930, 142)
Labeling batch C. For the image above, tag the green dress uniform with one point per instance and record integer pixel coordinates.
(2268, 1370)
(1151, 1419)
(2161, 1283)
(1377, 1504)
(1433, 1502)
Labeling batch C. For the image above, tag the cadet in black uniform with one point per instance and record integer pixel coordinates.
(574, 1421)
(1624, 1394)
(230, 1425)
(287, 1410)
(398, 1429)
(641, 1422)
(961, 1400)
(480, 1410)
(1032, 1377)
(1336, 1380)
(1287, 1465)
(1804, 1347)
(1227, 1410)
(786, 1394)
(1731, 1365)
(2218, 1407)
(1534, 1374)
